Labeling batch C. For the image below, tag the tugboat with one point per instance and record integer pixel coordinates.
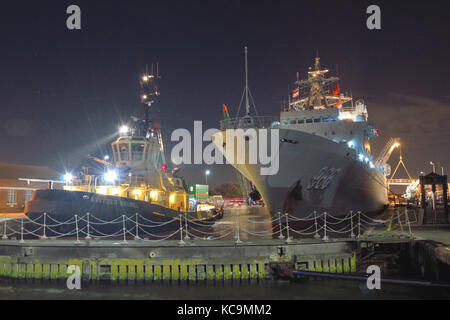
(135, 185)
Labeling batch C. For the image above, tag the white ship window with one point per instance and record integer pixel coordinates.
(137, 151)
(301, 121)
(326, 133)
(124, 152)
(12, 197)
(332, 132)
(293, 122)
(316, 120)
(309, 120)
(28, 194)
(351, 132)
(284, 122)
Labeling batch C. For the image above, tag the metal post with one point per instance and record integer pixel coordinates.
(316, 235)
(186, 237)
(76, 228)
(181, 242)
(44, 237)
(124, 230)
(399, 220)
(281, 237)
(408, 223)
(5, 236)
(21, 231)
(359, 225)
(136, 237)
(352, 235)
(325, 237)
(288, 240)
(88, 236)
(237, 236)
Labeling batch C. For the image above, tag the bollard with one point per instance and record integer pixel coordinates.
(124, 231)
(325, 237)
(181, 242)
(186, 237)
(44, 237)
(359, 225)
(352, 235)
(136, 237)
(281, 237)
(288, 240)
(21, 231)
(76, 228)
(237, 236)
(88, 237)
(5, 236)
(316, 235)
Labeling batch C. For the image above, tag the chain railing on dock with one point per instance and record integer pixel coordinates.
(282, 226)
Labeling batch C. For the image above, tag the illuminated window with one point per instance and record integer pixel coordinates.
(124, 152)
(12, 196)
(28, 194)
(137, 151)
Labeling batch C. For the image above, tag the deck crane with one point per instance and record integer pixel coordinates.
(386, 153)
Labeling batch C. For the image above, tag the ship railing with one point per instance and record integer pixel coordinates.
(250, 122)
(320, 226)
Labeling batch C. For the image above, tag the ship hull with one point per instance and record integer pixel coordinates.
(315, 174)
(61, 206)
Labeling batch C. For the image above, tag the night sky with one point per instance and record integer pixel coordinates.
(64, 93)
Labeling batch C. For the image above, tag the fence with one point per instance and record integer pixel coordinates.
(281, 226)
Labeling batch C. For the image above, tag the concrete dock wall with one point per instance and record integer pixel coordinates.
(143, 262)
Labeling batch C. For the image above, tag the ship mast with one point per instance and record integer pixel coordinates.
(247, 104)
(316, 82)
(149, 92)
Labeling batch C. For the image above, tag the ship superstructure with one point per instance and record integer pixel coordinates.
(325, 159)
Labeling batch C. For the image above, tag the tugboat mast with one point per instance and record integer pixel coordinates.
(149, 93)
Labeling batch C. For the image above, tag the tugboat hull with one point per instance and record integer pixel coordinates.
(61, 206)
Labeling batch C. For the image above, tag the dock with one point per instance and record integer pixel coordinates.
(242, 257)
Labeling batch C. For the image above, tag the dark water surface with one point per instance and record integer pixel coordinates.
(269, 290)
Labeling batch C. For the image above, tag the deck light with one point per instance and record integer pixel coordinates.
(68, 177)
(111, 176)
(124, 129)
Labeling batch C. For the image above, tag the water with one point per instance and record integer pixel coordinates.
(269, 290)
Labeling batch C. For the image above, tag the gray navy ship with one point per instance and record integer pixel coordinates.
(325, 159)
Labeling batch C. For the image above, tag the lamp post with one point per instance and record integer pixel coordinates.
(434, 167)
(207, 173)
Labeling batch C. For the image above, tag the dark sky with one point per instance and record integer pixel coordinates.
(63, 93)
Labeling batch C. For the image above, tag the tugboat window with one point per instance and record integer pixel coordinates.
(137, 151)
(124, 152)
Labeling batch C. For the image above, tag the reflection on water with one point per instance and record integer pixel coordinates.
(269, 290)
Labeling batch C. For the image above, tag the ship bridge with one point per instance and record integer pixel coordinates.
(138, 153)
